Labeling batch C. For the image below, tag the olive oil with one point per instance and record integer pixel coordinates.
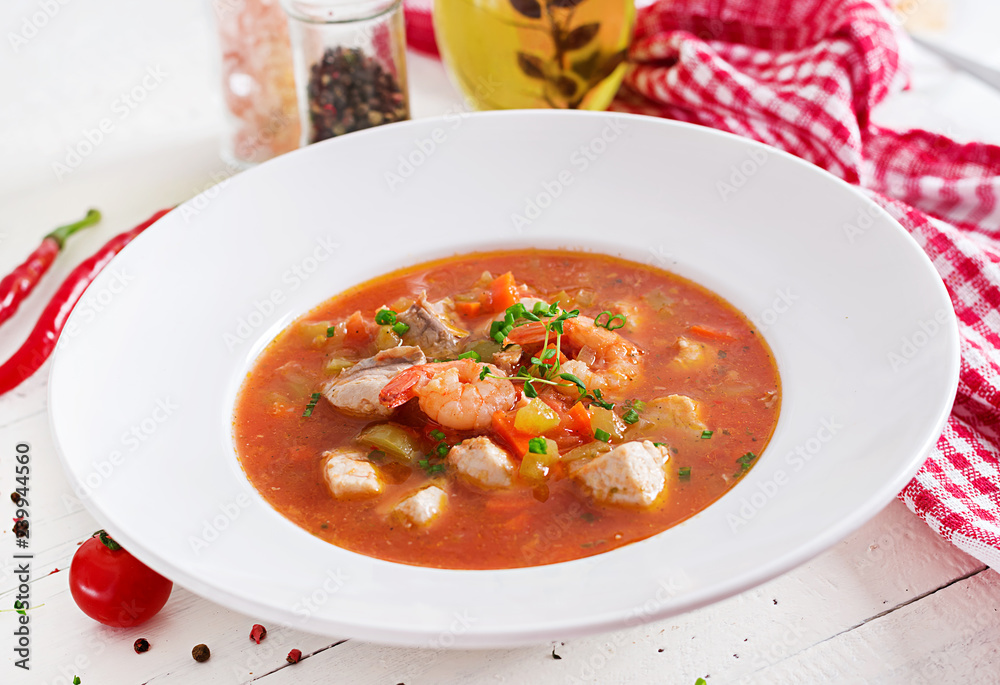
(512, 54)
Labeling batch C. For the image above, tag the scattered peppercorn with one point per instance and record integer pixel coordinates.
(15, 498)
(141, 645)
(258, 633)
(20, 528)
(201, 653)
(294, 656)
(349, 91)
(554, 655)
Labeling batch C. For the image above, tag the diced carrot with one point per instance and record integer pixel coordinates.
(580, 419)
(710, 333)
(562, 357)
(359, 331)
(468, 309)
(503, 426)
(504, 292)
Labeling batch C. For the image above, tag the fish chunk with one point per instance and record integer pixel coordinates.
(676, 411)
(355, 391)
(482, 462)
(430, 328)
(508, 360)
(689, 353)
(631, 474)
(422, 507)
(349, 475)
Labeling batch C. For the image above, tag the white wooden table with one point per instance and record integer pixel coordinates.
(890, 604)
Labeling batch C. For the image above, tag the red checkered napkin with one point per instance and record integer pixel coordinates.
(804, 76)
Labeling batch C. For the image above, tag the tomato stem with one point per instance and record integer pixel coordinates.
(107, 540)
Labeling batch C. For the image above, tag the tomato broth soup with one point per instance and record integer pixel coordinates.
(506, 409)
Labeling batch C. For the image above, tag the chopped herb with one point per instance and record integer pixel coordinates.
(429, 468)
(437, 435)
(638, 405)
(331, 331)
(660, 444)
(312, 404)
(19, 607)
(602, 435)
(442, 449)
(399, 328)
(471, 354)
(684, 473)
(575, 381)
(610, 321)
(588, 517)
(705, 435)
(722, 354)
(597, 398)
(529, 389)
(745, 461)
(484, 372)
(631, 416)
(538, 446)
(385, 317)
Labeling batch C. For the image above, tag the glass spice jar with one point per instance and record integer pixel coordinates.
(350, 65)
(258, 85)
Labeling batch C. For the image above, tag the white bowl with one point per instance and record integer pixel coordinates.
(145, 377)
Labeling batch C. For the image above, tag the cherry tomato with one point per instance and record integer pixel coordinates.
(113, 587)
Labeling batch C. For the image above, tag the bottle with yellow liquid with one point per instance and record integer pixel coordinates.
(513, 54)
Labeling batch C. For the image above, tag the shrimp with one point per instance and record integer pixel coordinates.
(604, 359)
(452, 393)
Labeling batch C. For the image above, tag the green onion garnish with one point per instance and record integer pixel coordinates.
(602, 435)
(312, 404)
(538, 446)
(631, 416)
(705, 435)
(385, 317)
(331, 331)
(471, 354)
(684, 473)
(437, 435)
(399, 328)
(745, 461)
(442, 449)
(610, 321)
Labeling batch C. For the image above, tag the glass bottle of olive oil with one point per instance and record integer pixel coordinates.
(511, 54)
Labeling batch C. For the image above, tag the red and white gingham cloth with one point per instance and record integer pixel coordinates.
(804, 76)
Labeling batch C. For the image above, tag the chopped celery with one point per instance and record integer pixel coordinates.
(607, 421)
(386, 339)
(337, 364)
(397, 442)
(588, 451)
(535, 467)
(535, 417)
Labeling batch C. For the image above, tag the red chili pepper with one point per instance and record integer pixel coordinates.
(19, 283)
(42, 339)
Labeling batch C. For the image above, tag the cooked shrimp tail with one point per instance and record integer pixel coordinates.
(452, 393)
